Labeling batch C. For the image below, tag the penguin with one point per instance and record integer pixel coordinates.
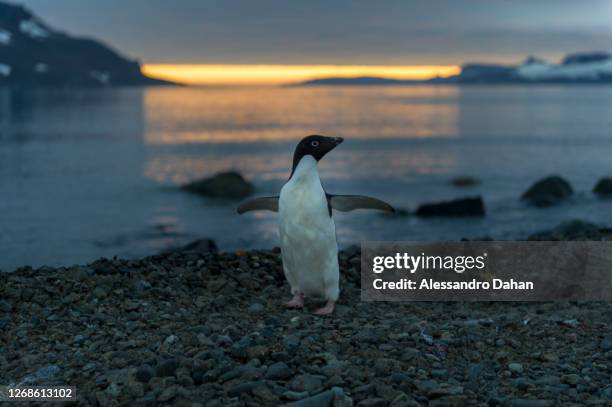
(309, 248)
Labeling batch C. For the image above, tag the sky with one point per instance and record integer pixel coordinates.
(341, 32)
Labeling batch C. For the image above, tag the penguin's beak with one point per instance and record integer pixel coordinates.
(333, 143)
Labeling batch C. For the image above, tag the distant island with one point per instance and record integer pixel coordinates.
(590, 67)
(33, 54)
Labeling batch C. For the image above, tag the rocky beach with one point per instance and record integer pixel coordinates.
(199, 327)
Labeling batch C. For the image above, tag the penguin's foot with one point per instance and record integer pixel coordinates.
(327, 309)
(296, 302)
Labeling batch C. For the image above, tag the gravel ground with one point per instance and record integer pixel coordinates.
(209, 329)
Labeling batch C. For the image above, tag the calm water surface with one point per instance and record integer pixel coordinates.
(85, 174)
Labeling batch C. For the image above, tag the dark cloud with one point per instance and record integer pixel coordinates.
(344, 32)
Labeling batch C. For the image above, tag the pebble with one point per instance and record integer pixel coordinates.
(529, 403)
(144, 373)
(5, 306)
(306, 382)
(278, 371)
(256, 308)
(324, 399)
(246, 387)
(515, 367)
(99, 292)
(166, 367)
(606, 343)
(158, 333)
(167, 394)
(373, 402)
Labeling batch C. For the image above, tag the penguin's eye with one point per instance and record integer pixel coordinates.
(314, 143)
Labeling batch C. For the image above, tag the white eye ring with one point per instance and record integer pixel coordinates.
(314, 143)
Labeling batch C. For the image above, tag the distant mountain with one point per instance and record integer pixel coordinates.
(361, 80)
(34, 54)
(591, 67)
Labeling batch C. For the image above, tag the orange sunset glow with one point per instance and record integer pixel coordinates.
(286, 74)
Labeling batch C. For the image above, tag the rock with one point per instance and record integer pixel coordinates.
(256, 308)
(603, 187)
(166, 368)
(449, 401)
(306, 382)
(403, 400)
(550, 357)
(257, 352)
(46, 373)
(373, 402)
(325, 399)
(341, 399)
(571, 379)
(606, 343)
(228, 184)
(246, 387)
(265, 394)
(473, 206)
(99, 293)
(386, 366)
(5, 306)
(133, 389)
(465, 181)
(200, 246)
(529, 403)
(278, 371)
(548, 191)
(294, 395)
(569, 230)
(167, 394)
(237, 372)
(473, 372)
(144, 373)
(515, 367)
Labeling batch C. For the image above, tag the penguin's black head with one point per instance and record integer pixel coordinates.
(316, 146)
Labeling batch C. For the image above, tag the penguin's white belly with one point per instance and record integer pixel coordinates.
(308, 239)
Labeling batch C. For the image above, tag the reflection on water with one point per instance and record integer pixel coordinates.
(85, 174)
(362, 160)
(190, 115)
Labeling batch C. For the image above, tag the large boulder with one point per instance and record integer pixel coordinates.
(548, 191)
(603, 187)
(200, 246)
(471, 206)
(228, 184)
(465, 181)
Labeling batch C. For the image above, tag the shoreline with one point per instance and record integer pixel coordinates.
(209, 327)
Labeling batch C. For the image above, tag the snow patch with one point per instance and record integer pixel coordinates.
(33, 29)
(587, 70)
(101, 76)
(5, 70)
(5, 37)
(41, 68)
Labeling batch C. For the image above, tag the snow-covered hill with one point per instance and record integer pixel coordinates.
(586, 67)
(34, 54)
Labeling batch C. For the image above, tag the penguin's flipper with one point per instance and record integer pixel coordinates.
(346, 203)
(266, 203)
